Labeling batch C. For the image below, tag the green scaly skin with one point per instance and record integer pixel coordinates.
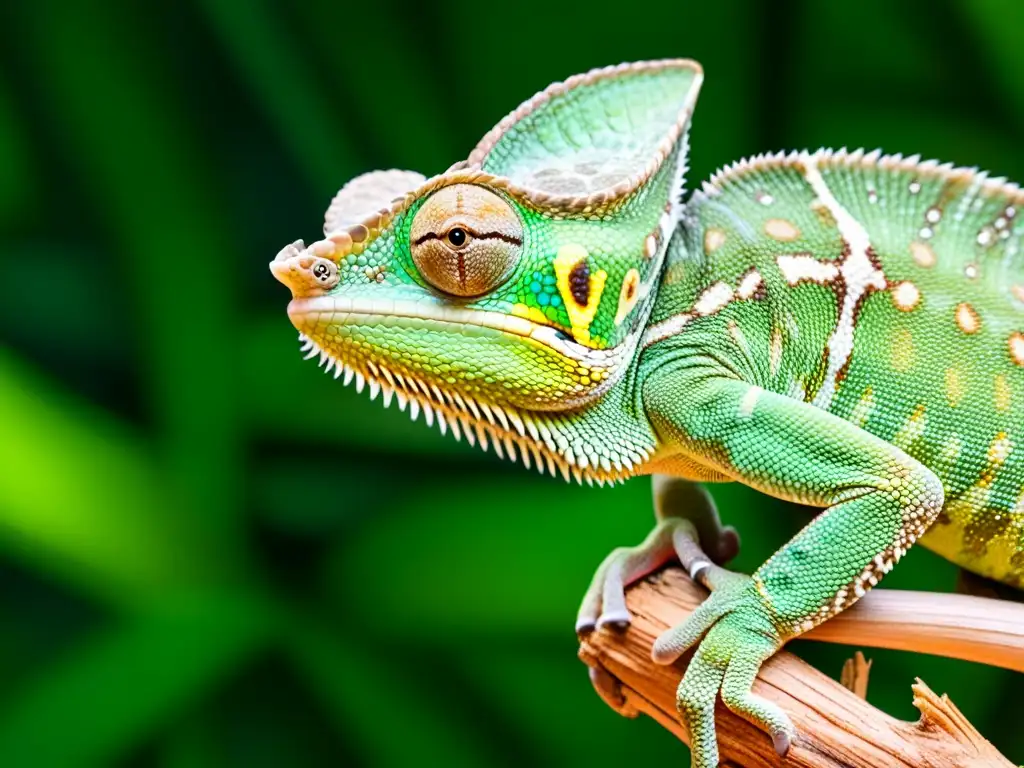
(836, 329)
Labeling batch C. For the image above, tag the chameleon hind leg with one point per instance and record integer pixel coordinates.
(877, 501)
(684, 514)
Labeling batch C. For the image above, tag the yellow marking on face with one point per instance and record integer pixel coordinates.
(912, 429)
(570, 258)
(902, 354)
(1003, 393)
(1017, 347)
(714, 238)
(530, 313)
(905, 296)
(922, 254)
(967, 319)
(862, 410)
(954, 386)
(629, 294)
(782, 230)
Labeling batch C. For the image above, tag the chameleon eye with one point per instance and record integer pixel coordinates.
(465, 240)
(457, 236)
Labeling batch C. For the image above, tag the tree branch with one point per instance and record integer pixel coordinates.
(836, 728)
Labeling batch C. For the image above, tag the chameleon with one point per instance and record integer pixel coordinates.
(840, 329)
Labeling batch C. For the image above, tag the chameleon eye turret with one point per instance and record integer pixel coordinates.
(465, 240)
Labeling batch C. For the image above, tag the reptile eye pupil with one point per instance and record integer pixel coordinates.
(457, 236)
(320, 271)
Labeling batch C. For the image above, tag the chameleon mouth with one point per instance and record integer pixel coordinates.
(538, 436)
(338, 310)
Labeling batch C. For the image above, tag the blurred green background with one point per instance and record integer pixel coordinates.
(213, 555)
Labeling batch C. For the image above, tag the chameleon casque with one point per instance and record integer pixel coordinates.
(839, 329)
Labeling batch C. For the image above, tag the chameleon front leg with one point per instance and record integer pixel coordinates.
(878, 501)
(684, 514)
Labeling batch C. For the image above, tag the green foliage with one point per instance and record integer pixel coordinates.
(210, 554)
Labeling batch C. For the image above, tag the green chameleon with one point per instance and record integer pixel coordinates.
(839, 329)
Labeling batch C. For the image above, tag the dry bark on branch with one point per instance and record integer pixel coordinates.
(837, 729)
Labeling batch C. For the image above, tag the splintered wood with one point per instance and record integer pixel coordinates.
(836, 728)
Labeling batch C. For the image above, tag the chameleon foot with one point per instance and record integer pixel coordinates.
(739, 637)
(686, 515)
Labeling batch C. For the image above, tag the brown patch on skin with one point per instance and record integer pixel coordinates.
(872, 255)
(817, 377)
(579, 283)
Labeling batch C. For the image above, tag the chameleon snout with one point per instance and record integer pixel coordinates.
(306, 271)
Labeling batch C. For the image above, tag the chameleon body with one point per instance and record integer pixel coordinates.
(844, 330)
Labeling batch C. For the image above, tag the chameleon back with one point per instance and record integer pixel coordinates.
(886, 291)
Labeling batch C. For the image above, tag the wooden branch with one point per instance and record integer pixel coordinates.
(836, 728)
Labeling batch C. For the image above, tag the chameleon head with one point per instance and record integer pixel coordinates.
(519, 279)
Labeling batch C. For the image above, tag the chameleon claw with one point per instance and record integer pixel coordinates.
(782, 741)
(616, 620)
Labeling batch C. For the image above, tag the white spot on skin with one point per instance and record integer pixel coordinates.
(749, 401)
(971, 271)
(915, 187)
(872, 196)
(858, 273)
(764, 198)
(985, 237)
(967, 318)
(922, 254)
(714, 239)
(905, 296)
(933, 215)
(749, 284)
(665, 329)
(713, 299)
(802, 267)
(650, 246)
(926, 233)
(1017, 347)
(782, 230)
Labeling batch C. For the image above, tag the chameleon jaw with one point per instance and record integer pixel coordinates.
(540, 437)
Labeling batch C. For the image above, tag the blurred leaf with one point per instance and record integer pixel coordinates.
(998, 25)
(112, 692)
(79, 497)
(390, 718)
(143, 167)
(18, 186)
(273, 66)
